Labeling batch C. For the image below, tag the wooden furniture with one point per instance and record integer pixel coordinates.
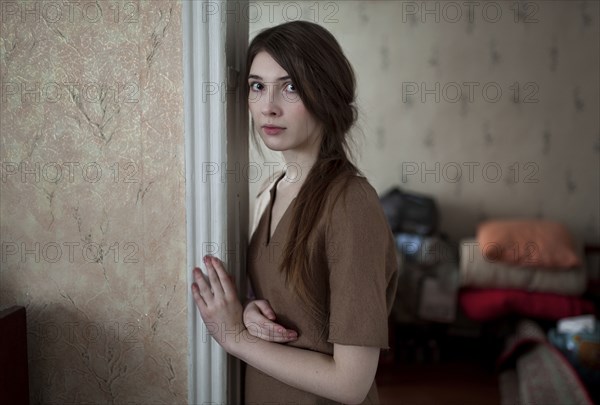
(14, 377)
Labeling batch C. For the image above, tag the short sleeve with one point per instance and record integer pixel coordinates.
(362, 268)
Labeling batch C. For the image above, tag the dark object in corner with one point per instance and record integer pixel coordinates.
(409, 212)
(14, 377)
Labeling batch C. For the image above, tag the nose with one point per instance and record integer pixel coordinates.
(270, 102)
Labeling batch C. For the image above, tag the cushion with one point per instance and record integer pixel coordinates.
(476, 271)
(537, 243)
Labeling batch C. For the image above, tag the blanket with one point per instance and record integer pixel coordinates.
(535, 372)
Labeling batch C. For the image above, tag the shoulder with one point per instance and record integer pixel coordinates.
(353, 202)
(354, 191)
(360, 186)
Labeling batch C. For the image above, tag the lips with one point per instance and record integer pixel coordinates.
(272, 129)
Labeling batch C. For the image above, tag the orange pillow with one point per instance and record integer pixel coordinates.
(527, 242)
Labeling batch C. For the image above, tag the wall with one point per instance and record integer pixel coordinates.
(493, 112)
(93, 197)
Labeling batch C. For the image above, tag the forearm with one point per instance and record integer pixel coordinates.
(306, 370)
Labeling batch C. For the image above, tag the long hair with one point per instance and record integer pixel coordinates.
(326, 85)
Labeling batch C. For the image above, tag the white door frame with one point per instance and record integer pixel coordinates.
(216, 154)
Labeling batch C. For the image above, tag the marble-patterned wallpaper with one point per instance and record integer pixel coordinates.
(92, 197)
(491, 107)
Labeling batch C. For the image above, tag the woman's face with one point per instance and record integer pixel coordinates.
(279, 115)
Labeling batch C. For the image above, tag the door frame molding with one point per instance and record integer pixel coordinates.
(216, 196)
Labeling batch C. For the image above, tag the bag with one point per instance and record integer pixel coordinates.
(410, 213)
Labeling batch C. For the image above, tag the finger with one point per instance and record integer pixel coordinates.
(215, 283)
(261, 327)
(226, 282)
(278, 333)
(265, 308)
(203, 285)
(284, 339)
(200, 303)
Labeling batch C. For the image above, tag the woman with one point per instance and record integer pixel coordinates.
(322, 260)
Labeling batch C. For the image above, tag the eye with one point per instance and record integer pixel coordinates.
(256, 86)
(291, 88)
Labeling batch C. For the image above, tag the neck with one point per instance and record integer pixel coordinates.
(297, 167)
(297, 171)
(299, 162)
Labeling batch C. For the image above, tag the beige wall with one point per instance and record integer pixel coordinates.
(98, 256)
(535, 153)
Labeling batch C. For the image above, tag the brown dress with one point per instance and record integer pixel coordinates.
(356, 283)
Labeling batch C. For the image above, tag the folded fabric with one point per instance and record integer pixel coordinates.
(537, 243)
(489, 304)
(533, 371)
(476, 271)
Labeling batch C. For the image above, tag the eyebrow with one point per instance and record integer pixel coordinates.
(280, 79)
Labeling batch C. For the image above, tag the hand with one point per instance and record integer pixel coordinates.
(218, 302)
(258, 317)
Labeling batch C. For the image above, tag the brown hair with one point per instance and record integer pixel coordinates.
(326, 85)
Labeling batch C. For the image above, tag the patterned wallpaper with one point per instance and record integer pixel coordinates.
(93, 197)
(490, 107)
